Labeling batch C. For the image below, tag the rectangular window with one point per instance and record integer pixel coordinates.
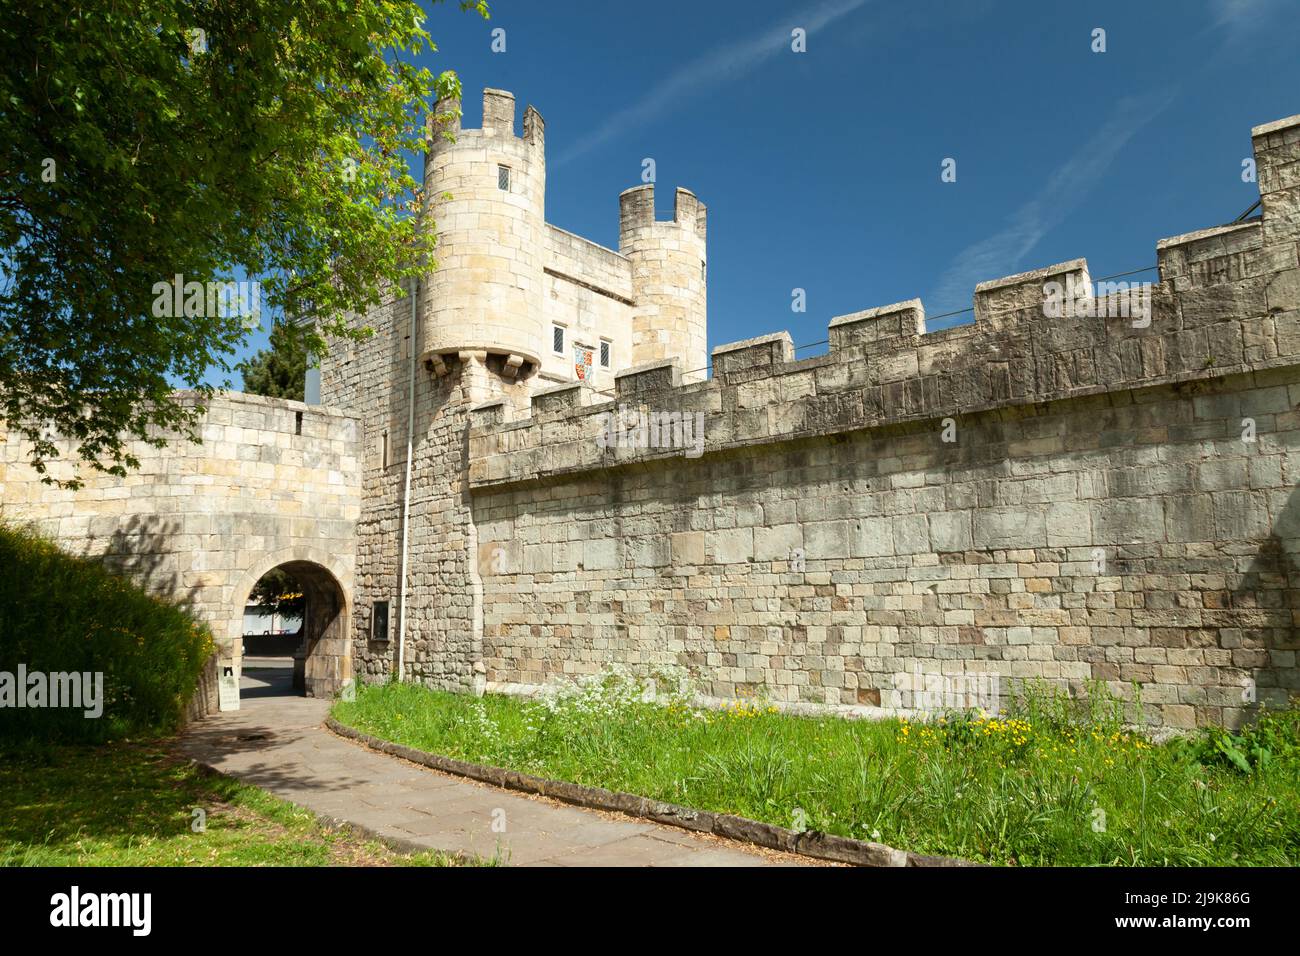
(557, 339)
(503, 178)
(379, 622)
(606, 350)
(384, 450)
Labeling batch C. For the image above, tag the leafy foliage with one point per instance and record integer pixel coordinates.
(277, 591)
(1273, 737)
(60, 613)
(279, 371)
(273, 144)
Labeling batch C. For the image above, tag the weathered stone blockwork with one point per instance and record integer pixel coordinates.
(978, 555)
(274, 482)
(1168, 452)
(1103, 496)
(506, 276)
(481, 331)
(441, 646)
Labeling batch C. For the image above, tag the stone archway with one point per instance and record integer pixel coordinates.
(327, 634)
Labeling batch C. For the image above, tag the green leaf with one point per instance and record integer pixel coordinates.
(216, 168)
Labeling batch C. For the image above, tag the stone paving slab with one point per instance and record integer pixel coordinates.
(279, 744)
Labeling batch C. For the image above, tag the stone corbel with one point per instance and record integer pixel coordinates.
(513, 364)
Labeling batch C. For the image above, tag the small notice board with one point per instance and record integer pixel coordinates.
(228, 690)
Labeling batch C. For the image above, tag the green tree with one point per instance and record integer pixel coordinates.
(203, 139)
(277, 591)
(279, 371)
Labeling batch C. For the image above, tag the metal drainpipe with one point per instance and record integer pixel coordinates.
(406, 485)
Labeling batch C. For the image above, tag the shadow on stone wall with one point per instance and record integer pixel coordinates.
(1265, 606)
(145, 549)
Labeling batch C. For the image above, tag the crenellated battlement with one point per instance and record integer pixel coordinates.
(637, 212)
(1091, 481)
(486, 196)
(530, 296)
(668, 271)
(445, 125)
(1227, 301)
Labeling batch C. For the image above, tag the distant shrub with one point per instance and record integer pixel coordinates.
(64, 614)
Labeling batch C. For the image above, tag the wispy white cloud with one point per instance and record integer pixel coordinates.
(1001, 252)
(724, 63)
(1242, 18)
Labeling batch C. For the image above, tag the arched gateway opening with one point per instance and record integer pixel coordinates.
(292, 628)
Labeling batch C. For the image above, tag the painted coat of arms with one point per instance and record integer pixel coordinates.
(582, 360)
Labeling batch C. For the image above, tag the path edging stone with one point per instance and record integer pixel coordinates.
(810, 843)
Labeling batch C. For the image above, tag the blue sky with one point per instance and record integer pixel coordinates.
(821, 170)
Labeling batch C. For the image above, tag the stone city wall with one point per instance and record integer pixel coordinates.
(1096, 496)
(274, 482)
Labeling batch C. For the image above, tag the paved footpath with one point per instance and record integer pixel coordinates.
(278, 743)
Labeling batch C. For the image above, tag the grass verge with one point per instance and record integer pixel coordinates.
(137, 804)
(1049, 784)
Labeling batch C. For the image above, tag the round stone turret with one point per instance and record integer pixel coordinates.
(669, 280)
(486, 199)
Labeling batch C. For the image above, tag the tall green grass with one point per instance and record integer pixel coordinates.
(60, 613)
(1052, 782)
